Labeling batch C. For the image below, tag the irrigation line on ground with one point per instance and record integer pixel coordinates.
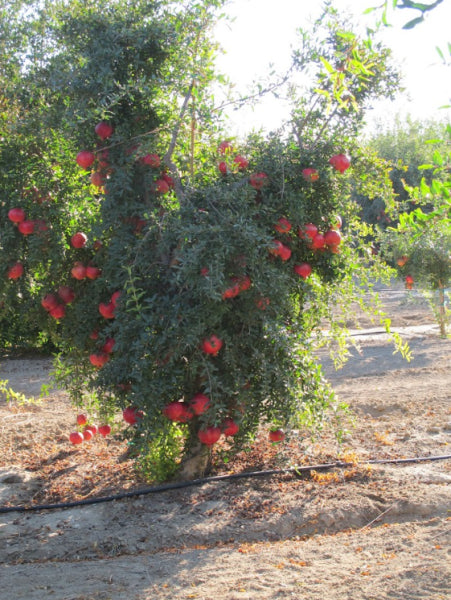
(300, 470)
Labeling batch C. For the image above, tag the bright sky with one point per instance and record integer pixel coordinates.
(264, 31)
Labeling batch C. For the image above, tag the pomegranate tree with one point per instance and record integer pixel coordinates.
(181, 294)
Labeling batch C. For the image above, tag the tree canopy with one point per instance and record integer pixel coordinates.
(184, 278)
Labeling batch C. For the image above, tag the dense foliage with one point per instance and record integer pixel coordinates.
(406, 146)
(185, 282)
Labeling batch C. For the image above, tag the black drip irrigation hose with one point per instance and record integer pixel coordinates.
(193, 482)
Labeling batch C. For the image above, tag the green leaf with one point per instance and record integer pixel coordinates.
(322, 92)
(436, 187)
(426, 7)
(369, 10)
(327, 64)
(418, 6)
(437, 158)
(424, 188)
(440, 53)
(411, 24)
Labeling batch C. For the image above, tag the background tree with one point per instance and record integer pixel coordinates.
(420, 245)
(405, 146)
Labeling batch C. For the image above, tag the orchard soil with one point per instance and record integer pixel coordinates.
(361, 532)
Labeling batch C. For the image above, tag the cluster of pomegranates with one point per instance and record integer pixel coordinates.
(313, 238)
(55, 303)
(182, 411)
(86, 432)
(87, 159)
(26, 227)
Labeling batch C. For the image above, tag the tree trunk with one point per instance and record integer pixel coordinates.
(441, 310)
(196, 462)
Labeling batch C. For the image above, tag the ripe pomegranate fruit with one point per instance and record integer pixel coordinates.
(82, 419)
(85, 159)
(78, 240)
(241, 161)
(76, 437)
(104, 430)
(209, 435)
(107, 310)
(131, 415)
(199, 403)
(15, 271)
(161, 186)
(26, 227)
(223, 168)
(104, 130)
(66, 294)
(225, 147)
(179, 412)
(304, 270)
(308, 231)
(282, 225)
(93, 272)
(310, 174)
(276, 435)
(229, 427)
(49, 302)
(332, 237)
(340, 162)
(212, 345)
(78, 271)
(99, 359)
(16, 215)
(152, 160)
(108, 345)
(58, 312)
(258, 180)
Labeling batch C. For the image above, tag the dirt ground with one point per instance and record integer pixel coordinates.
(379, 531)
